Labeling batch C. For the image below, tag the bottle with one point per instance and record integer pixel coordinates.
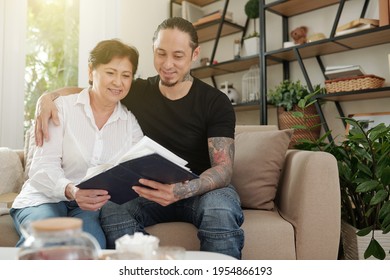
(236, 48)
(58, 239)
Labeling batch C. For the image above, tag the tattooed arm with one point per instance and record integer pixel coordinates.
(221, 152)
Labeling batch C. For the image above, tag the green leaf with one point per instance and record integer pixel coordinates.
(386, 230)
(379, 197)
(299, 126)
(386, 223)
(297, 114)
(375, 249)
(384, 211)
(364, 231)
(385, 178)
(367, 186)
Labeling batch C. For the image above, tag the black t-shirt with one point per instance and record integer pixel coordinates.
(182, 125)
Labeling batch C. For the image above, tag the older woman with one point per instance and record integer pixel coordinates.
(94, 128)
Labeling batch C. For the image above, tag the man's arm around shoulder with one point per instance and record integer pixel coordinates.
(46, 109)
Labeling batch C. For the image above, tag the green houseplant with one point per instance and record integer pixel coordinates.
(251, 44)
(286, 96)
(363, 160)
(252, 11)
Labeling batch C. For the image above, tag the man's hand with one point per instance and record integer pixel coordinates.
(45, 110)
(160, 193)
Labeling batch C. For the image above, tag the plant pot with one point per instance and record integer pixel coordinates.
(354, 246)
(286, 120)
(251, 46)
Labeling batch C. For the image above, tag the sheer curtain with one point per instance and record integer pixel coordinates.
(99, 19)
(13, 16)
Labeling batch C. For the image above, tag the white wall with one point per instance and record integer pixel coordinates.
(12, 65)
(99, 20)
(139, 21)
(132, 21)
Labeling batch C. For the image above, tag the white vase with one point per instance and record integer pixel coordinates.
(251, 46)
(354, 246)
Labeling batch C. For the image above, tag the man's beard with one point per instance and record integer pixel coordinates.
(187, 77)
(166, 84)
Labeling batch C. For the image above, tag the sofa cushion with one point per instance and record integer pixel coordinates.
(11, 171)
(258, 161)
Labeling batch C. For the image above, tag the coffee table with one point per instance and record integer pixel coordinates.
(10, 253)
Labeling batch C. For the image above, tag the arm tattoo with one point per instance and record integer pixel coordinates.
(221, 152)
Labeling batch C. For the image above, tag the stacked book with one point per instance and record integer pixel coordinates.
(337, 72)
(212, 17)
(357, 25)
(384, 12)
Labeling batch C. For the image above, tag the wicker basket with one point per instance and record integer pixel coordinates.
(286, 120)
(353, 83)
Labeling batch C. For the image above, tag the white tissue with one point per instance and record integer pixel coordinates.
(141, 244)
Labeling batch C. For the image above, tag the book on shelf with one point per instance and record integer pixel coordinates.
(384, 12)
(147, 159)
(336, 72)
(213, 16)
(355, 29)
(356, 23)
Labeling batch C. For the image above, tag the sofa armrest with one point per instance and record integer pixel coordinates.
(7, 199)
(11, 170)
(309, 198)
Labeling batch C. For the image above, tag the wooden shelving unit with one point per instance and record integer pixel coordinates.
(357, 40)
(226, 67)
(331, 45)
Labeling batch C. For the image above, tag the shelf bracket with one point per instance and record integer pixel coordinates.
(219, 31)
(303, 69)
(323, 120)
(337, 19)
(263, 65)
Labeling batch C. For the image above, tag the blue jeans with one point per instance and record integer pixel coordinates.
(91, 222)
(217, 215)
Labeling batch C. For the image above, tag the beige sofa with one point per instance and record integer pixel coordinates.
(291, 198)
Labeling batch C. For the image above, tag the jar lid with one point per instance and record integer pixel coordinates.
(57, 224)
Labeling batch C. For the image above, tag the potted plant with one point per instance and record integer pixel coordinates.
(251, 42)
(363, 161)
(286, 97)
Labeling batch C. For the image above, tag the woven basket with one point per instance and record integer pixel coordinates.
(286, 120)
(353, 83)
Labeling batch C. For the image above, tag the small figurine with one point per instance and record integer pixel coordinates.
(299, 35)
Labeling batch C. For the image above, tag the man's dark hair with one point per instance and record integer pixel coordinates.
(182, 25)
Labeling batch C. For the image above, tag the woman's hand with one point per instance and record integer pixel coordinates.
(87, 199)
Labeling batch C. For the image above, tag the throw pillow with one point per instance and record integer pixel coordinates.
(11, 171)
(258, 161)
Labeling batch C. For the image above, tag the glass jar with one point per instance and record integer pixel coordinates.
(58, 239)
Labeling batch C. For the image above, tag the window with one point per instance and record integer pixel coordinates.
(52, 49)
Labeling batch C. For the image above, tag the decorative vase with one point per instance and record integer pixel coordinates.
(251, 46)
(354, 246)
(231, 92)
(286, 120)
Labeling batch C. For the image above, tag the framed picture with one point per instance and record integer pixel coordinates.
(372, 119)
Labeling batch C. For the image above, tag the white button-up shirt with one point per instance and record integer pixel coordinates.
(74, 146)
